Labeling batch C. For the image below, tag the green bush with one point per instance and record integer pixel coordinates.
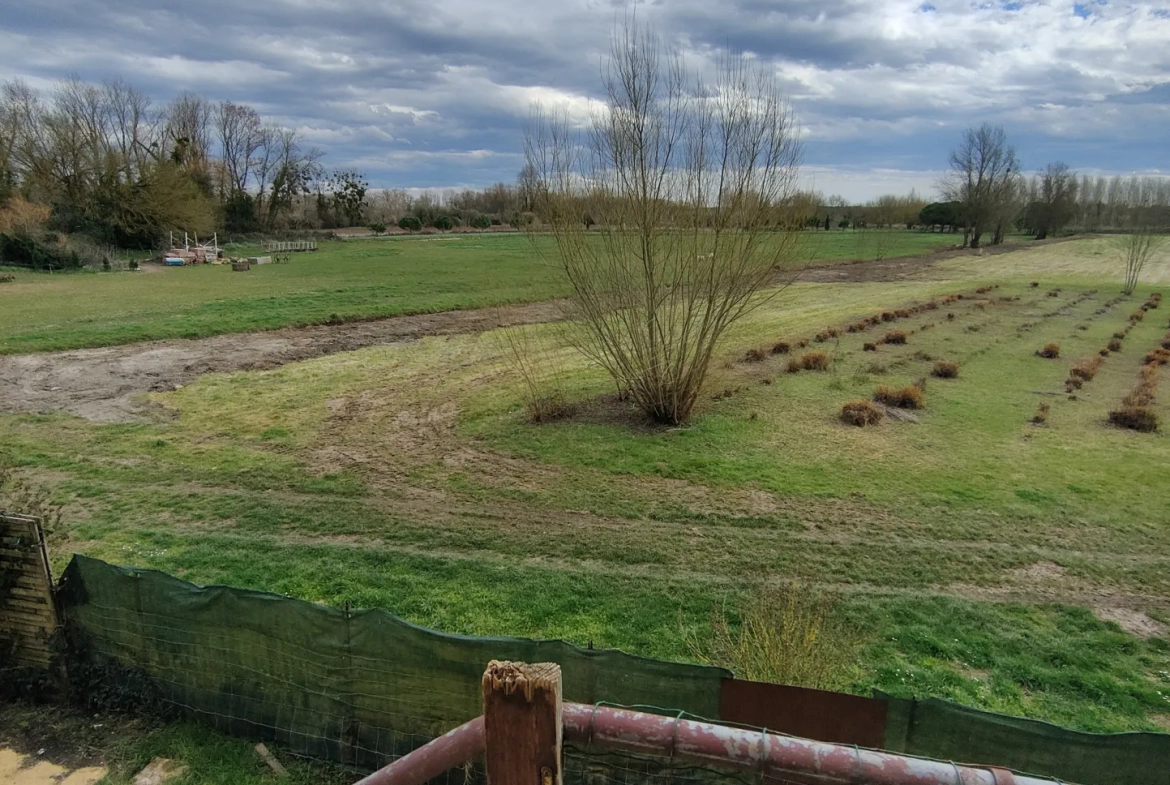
(481, 222)
(410, 223)
(442, 222)
(378, 227)
(21, 250)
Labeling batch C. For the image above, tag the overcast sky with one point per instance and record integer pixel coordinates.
(435, 93)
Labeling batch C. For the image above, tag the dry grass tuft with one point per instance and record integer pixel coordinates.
(945, 369)
(1157, 357)
(1035, 284)
(1054, 293)
(811, 361)
(1103, 352)
(1086, 369)
(895, 337)
(827, 334)
(1114, 345)
(7, 278)
(1050, 351)
(1041, 415)
(788, 634)
(888, 316)
(861, 413)
(900, 397)
(781, 347)
(1137, 316)
(869, 347)
(548, 408)
(950, 317)
(755, 356)
(1135, 418)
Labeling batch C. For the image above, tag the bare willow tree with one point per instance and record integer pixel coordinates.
(689, 188)
(984, 177)
(1135, 249)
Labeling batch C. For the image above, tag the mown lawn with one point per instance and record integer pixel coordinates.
(985, 559)
(351, 279)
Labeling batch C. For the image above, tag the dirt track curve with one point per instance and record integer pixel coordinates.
(104, 384)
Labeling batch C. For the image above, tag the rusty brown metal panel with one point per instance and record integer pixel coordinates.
(799, 711)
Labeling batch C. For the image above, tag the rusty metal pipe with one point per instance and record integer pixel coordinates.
(772, 755)
(449, 751)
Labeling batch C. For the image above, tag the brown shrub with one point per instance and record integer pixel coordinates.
(1166, 342)
(1136, 418)
(950, 317)
(780, 347)
(900, 397)
(803, 342)
(861, 413)
(895, 336)
(888, 316)
(1114, 345)
(1041, 415)
(902, 313)
(1086, 369)
(826, 334)
(793, 365)
(1103, 352)
(17, 215)
(1050, 351)
(1035, 284)
(1137, 316)
(856, 327)
(945, 369)
(815, 361)
(931, 306)
(1054, 293)
(869, 347)
(1073, 383)
(7, 278)
(1157, 357)
(1142, 395)
(1120, 334)
(754, 356)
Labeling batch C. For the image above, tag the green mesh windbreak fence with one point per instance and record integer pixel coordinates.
(939, 729)
(359, 688)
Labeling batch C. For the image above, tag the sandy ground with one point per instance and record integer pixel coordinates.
(17, 769)
(105, 385)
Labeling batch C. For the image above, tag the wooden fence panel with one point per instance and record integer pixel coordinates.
(28, 613)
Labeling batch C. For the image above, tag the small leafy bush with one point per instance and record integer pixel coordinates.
(410, 223)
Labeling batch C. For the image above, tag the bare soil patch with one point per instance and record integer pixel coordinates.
(104, 384)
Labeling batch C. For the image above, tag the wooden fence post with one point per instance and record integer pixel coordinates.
(522, 723)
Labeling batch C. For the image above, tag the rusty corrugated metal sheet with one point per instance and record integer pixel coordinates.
(799, 711)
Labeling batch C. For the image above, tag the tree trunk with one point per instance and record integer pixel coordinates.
(976, 233)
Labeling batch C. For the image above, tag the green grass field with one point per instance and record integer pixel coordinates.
(1008, 566)
(354, 279)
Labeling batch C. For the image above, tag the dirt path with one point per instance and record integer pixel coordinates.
(104, 384)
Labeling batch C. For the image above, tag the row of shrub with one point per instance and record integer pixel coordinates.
(1137, 407)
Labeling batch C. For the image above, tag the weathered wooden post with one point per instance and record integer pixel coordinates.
(522, 723)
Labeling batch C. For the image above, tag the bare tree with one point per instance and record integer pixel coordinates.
(1054, 202)
(690, 187)
(239, 131)
(188, 132)
(984, 178)
(1135, 250)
